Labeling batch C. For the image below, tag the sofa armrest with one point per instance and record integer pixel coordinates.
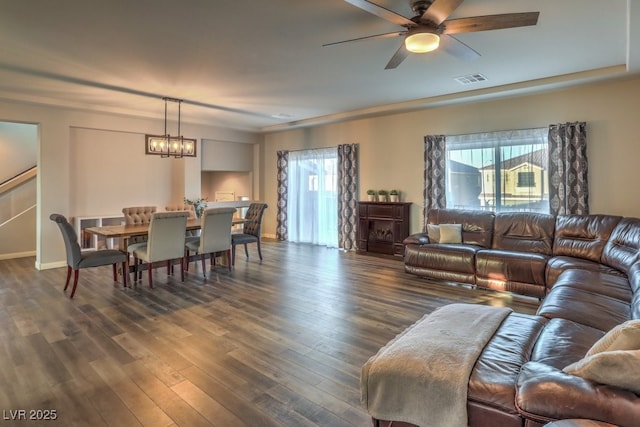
(417, 239)
(545, 393)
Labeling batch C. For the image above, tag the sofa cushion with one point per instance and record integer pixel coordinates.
(477, 226)
(583, 236)
(634, 282)
(416, 239)
(618, 368)
(492, 381)
(546, 393)
(584, 306)
(625, 336)
(623, 248)
(634, 277)
(499, 269)
(600, 283)
(563, 342)
(450, 233)
(635, 306)
(558, 264)
(524, 232)
(433, 231)
(442, 261)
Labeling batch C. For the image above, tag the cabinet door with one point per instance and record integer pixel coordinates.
(363, 234)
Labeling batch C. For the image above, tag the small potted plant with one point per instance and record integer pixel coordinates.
(382, 195)
(199, 205)
(394, 196)
(371, 195)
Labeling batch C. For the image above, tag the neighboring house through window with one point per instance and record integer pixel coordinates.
(498, 171)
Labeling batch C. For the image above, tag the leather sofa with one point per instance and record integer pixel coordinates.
(590, 283)
(518, 252)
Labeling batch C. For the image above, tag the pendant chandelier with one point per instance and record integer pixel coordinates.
(170, 146)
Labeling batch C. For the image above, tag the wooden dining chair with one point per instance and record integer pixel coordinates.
(251, 230)
(215, 237)
(165, 242)
(76, 259)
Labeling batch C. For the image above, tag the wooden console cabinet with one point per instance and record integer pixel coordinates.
(382, 226)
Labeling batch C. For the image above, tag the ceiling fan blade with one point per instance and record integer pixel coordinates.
(382, 12)
(455, 47)
(376, 36)
(440, 10)
(490, 22)
(397, 58)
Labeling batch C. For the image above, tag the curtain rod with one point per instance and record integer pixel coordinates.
(316, 148)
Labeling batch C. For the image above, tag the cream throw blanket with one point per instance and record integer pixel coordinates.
(421, 376)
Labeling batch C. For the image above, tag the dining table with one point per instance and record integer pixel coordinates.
(124, 232)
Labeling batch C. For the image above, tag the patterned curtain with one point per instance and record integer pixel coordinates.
(434, 174)
(283, 189)
(568, 167)
(347, 195)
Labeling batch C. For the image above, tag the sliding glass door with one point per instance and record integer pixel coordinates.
(312, 210)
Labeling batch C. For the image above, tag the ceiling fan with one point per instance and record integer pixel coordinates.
(430, 29)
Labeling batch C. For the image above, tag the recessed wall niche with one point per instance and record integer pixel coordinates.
(226, 168)
(222, 181)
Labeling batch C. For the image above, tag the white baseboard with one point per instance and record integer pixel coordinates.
(49, 265)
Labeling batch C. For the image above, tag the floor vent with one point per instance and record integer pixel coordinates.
(470, 79)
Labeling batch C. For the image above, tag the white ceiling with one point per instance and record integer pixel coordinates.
(246, 61)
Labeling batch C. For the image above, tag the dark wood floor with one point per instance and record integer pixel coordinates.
(277, 343)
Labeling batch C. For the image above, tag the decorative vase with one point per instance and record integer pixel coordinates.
(394, 198)
(371, 197)
(382, 198)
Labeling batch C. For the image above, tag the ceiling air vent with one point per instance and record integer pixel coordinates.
(470, 79)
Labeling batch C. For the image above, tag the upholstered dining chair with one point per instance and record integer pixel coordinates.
(192, 235)
(136, 215)
(165, 242)
(188, 208)
(215, 237)
(76, 259)
(251, 230)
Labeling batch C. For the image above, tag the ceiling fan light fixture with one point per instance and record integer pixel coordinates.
(421, 40)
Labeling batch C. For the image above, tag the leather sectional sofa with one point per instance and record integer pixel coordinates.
(586, 270)
(520, 252)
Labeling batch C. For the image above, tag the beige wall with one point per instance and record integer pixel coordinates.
(391, 147)
(18, 153)
(72, 146)
(111, 171)
(226, 156)
(12, 161)
(91, 163)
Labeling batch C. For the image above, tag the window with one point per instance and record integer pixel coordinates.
(498, 171)
(526, 179)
